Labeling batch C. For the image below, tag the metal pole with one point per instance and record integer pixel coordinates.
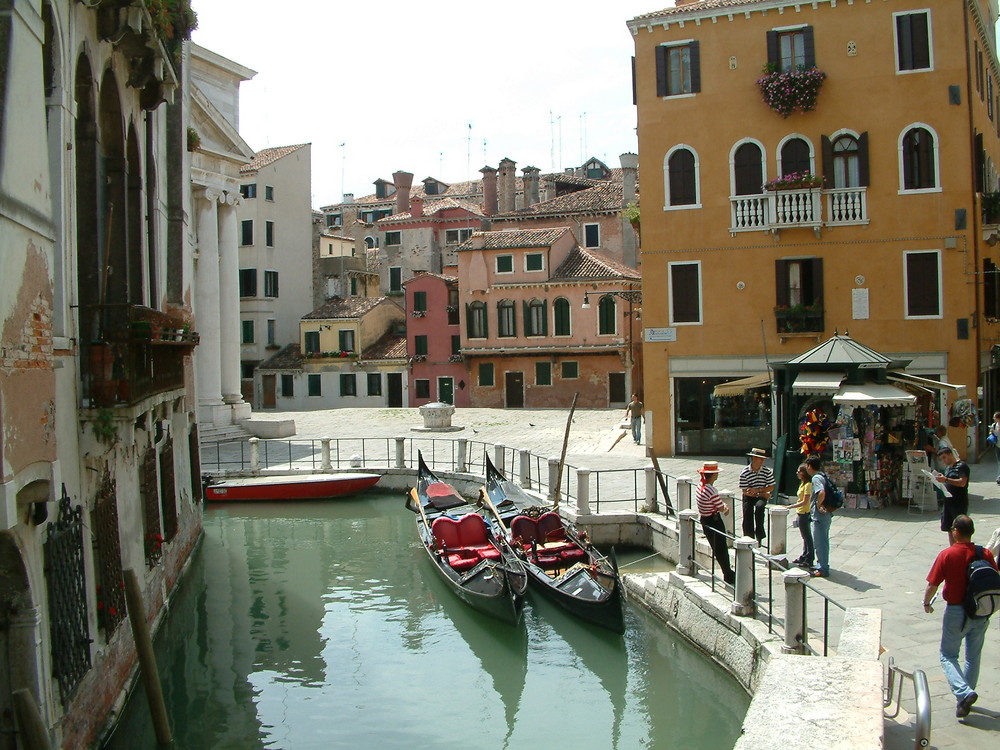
(147, 658)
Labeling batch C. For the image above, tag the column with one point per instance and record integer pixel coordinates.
(207, 353)
(229, 302)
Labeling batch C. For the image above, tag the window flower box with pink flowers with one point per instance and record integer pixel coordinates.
(790, 91)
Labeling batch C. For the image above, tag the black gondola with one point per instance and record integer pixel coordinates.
(561, 565)
(480, 568)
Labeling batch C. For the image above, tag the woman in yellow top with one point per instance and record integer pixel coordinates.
(805, 560)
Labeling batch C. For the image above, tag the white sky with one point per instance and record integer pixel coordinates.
(399, 83)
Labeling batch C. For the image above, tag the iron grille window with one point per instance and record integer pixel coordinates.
(168, 496)
(153, 534)
(107, 547)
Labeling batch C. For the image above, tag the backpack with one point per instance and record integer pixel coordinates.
(833, 498)
(982, 588)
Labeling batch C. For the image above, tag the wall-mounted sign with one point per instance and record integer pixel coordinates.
(659, 334)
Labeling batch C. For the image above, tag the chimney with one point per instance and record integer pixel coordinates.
(531, 186)
(630, 166)
(548, 188)
(507, 186)
(348, 198)
(402, 182)
(416, 206)
(489, 190)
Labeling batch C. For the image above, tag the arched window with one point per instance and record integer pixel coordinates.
(561, 314)
(506, 319)
(846, 162)
(918, 159)
(535, 323)
(795, 157)
(475, 316)
(748, 169)
(682, 177)
(607, 316)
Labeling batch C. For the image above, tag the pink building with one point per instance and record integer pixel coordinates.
(437, 371)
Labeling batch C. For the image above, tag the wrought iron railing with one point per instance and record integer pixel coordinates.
(107, 541)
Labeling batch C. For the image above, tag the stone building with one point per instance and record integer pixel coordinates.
(99, 470)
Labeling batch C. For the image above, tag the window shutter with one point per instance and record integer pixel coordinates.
(919, 40)
(468, 320)
(816, 277)
(527, 318)
(989, 289)
(921, 284)
(773, 53)
(545, 318)
(635, 99)
(695, 62)
(809, 47)
(863, 173)
(781, 283)
(661, 71)
(826, 149)
(980, 164)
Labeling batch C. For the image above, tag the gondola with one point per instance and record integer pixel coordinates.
(561, 564)
(479, 567)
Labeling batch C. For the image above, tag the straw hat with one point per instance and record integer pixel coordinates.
(710, 467)
(757, 453)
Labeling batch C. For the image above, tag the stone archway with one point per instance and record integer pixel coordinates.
(19, 622)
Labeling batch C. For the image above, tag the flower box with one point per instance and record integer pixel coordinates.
(786, 92)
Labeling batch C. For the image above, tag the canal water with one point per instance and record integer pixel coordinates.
(322, 625)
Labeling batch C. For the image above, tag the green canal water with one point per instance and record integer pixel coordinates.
(322, 625)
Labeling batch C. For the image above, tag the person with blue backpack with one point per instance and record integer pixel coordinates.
(972, 593)
(821, 514)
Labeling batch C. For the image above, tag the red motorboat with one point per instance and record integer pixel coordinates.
(287, 487)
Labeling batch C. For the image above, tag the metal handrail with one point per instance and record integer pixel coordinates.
(921, 696)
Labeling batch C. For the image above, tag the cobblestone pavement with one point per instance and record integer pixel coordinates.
(879, 558)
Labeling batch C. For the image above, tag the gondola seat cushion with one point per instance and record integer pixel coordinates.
(447, 532)
(572, 555)
(548, 562)
(524, 530)
(550, 527)
(462, 560)
(471, 530)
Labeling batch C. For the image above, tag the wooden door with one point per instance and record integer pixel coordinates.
(268, 382)
(616, 389)
(393, 389)
(514, 388)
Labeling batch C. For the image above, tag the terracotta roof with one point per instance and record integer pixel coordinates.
(697, 7)
(289, 358)
(432, 207)
(443, 277)
(338, 307)
(587, 263)
(603, 197)
(511, 238)
(268, 156)
(390, 346)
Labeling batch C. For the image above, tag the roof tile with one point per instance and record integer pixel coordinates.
(390, 346)
(587, 263)
(338, 307)
(268, 156)
(513, 238)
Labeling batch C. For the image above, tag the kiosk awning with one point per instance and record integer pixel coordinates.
(873, 394)
(821, 383)
(906, 378)
(739, 387)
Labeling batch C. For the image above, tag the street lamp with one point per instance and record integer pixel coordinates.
(632, 296)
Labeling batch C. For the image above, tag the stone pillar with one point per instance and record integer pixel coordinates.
(583, 492)
(687, 520)
(744, 605)
(650, 489)
(729, 519)
(254, 454)
(326, 464)
(796, 632)
(400, 452)
(778, 530)
(229, 304)
(683, 493)
(554, 490)
(462, 459)
(208, 361)
(498, 458)
(525, 473)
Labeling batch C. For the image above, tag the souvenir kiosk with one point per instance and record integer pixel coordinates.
(864, 415)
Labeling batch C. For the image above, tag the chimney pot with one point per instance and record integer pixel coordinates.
(416, 206)
(402, 182)
(507, 188)
(489, 190)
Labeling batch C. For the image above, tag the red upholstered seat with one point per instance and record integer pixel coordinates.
(550, 527)
(471, 530)
(446, 532)
(487, 551)
(524, 530)
(572, 555)
(462, 560)
(548, 561)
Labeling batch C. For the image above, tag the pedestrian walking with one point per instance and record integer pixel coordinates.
(711, 509)
(802, 519)
(756, 485)
(634, 413)
(995, 435)
(951, 568)
(820, 516)
(956, 479)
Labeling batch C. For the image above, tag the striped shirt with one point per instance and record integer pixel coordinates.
(708, 500)
(755, 480)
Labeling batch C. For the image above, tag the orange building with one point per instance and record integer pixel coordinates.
(806, 169)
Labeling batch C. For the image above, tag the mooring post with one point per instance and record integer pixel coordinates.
(650, 489)
(31, 731)
(498, 458)
(583, 492)
(400, 453)
(462, 460)
(147, 658)
(254, 454)
(743, 604)
(777, 534)
(525, 473)
(729, 519)
(326, 464)
(796, 633)
(683, 493)
(554, 489)
(686, 521)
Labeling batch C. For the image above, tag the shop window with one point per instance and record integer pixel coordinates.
(922, 283)
(685, 293)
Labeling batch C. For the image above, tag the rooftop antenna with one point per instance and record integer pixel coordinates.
(484, 150)
(559, 122)
(440, 164)
(343, 163)
(583, 139)
(468, 151)
(552, 140)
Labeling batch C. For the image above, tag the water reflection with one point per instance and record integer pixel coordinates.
(323, 626)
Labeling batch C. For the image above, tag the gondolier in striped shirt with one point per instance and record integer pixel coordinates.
(710, 508)
(756, 484)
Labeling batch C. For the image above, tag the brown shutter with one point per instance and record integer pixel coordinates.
(661, 71)
(809, 46)
(815, 276)
(922, 284)
(695, 60)
(684, 291)
(980, 164)
(773, 53)
(635, 99)
(781, 283)
(863, 173)
(545, 318)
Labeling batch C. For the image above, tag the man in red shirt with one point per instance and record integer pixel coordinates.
(951, 568)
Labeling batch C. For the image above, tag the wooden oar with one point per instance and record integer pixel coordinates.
(420, 508)
(562, 457)
(485, 497)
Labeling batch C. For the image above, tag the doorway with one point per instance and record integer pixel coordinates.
(268, 383)
(617, 393)
(446, 390)
(393, 389)
(514, 388)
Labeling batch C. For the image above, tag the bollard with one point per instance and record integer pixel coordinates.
(796, 633)
(650, 489)
(729, 519)
(777, 517)
(583, 492)
(683, 493)
(325, 465)
(686, 523)
(743, 604)
(554, 490)
(401, 453)
(254, 454)
(498, 458)
(525, 458)
(462, 464)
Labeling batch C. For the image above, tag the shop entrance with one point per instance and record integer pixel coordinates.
(708, 425)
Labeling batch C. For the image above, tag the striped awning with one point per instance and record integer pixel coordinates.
(741, 386)
(817, 383)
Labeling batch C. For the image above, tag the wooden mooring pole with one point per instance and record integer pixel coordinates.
(147, 658)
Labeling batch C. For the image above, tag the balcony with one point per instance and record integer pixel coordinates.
(799, 320)
(800, 207)
(133, 352)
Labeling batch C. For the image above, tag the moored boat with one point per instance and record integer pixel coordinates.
(480, 568)
(562, 565)
(288, 487)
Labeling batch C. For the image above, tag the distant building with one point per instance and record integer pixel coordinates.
(434, 341)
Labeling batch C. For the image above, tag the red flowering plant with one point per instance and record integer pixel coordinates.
(794, 181)
(788, 91)
(154, 548)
